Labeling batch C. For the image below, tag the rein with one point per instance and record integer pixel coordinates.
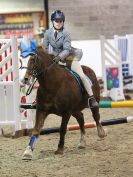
(21, 65)
(48, 68)
(31, 87)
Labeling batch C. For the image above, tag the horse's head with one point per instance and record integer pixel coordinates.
(39, 63)
(32, 70)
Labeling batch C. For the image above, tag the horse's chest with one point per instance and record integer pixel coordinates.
(46, 101)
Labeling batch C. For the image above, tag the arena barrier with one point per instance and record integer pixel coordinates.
(10, 87)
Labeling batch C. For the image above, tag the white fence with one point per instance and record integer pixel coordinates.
(10, 86)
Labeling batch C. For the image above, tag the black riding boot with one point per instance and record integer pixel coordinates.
(92, 102)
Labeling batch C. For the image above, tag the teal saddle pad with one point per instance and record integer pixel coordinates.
(77, 78)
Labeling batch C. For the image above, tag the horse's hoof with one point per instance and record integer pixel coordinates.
(102, 133)
(59, 151)
(82, 145)
(26, 157)
(27, 154)
(106, 131)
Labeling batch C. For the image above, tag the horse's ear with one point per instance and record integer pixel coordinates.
(39, 49)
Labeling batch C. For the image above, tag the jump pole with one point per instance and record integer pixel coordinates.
(102, 104)
(28, 106)
(113, 104)
(89, 125)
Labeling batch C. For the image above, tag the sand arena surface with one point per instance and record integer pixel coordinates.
(110, 157)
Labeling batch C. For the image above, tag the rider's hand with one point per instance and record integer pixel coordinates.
(57, 59)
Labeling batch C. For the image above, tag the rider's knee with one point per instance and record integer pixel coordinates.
(78, 53)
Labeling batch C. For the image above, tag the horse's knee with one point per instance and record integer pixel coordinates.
(36, 132)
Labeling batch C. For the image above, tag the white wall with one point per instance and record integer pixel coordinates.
(91, 54)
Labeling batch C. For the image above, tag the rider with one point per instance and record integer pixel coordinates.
(60, 40)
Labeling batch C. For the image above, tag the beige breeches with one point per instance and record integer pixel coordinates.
(75, 66)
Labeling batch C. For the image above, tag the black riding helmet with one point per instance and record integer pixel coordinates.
(57, 15)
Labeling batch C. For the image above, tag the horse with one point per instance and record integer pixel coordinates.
(59, 94)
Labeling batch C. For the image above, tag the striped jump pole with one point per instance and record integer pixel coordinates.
(113, 104)
(89, 125)
(102, 104)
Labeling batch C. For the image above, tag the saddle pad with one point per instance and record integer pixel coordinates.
(77, 78)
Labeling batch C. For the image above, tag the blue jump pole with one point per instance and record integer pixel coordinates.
(89, 125)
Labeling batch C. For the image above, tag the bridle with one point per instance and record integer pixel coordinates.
(21, 65)
(36, 72)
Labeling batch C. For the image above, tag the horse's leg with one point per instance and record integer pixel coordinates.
(63, 128)
(80, 119)
(40, 117)
(96, 116)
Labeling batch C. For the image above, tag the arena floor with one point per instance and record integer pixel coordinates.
(110, 157)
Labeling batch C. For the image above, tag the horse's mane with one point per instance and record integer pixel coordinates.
(43, 53)
(47, 59)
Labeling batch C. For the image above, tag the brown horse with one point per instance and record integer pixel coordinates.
(59, 93)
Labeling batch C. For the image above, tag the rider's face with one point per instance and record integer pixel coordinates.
(58, 24)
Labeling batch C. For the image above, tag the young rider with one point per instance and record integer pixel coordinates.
(59, 39)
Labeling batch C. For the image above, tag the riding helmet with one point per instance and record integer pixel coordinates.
(57, 15)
